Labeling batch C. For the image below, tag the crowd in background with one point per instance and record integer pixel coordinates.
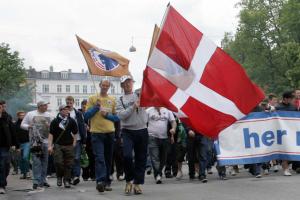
(119, 138)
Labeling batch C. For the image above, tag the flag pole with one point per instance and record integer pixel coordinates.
(94, 84)
(154, 39)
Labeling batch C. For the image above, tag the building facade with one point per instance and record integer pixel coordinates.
(54, 87)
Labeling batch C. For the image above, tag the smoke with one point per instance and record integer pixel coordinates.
(20, 101)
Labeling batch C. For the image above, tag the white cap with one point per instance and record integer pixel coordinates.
(42, 102)
(125, 77)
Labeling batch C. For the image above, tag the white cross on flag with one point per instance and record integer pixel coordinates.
(187, 73)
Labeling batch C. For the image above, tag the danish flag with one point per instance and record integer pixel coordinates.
(188, 74)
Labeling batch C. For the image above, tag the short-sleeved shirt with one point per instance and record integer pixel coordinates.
(158, 122)
(98, 124)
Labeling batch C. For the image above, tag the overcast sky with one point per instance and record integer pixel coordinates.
(43, 31)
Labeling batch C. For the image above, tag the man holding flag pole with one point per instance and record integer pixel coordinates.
(101, 108)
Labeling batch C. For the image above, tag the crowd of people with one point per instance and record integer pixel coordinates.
(119, 137)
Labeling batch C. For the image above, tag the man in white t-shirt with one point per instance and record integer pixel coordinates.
(158, 129)
(38, 123)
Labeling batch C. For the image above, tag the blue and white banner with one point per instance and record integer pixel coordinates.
(260, 137)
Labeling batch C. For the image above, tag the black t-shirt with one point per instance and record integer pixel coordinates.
(56, 130)
(21, 134)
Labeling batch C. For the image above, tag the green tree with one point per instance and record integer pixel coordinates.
(266, 42)
(12, 71)
(13, 87)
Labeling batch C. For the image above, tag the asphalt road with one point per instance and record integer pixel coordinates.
(243, 186)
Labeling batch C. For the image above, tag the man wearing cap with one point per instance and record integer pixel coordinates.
(135, 135)
(62, 139)
(38, 123)
(100, 112)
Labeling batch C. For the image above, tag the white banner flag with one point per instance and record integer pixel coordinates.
(260, 137)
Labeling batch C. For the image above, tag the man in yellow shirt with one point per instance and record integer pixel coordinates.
(100, 112)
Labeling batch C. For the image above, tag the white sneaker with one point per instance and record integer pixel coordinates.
(258, 176)
(275, 168)
(232, 172)
(209, 171)
(266, 172)
(287, 173)
(2, 191)
(38, 189)
(121, 178)
(158, 179)
(179, 175)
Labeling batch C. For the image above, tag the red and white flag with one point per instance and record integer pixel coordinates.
(187, 73)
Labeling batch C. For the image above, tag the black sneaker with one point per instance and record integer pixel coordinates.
(108, 188)
(148, 171)
(192, 177)
(59, 181)
(223, 178)
(76, 180)
(24, 176)
(46, 185)
(100, 187)
(35, 186)
(169, 175)
(203, 179)
(67, 184)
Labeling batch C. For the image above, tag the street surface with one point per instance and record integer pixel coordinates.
(243, 186)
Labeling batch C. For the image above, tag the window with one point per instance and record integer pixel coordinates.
(77, 102)
(45, 88)
(84, 89)
(64, 75)
(59, 101)
(112, 89)
(68, 88)
(76, 88)
(58, 88)
(93, 89)
(45, 74)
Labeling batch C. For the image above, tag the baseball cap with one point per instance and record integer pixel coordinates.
(42, 102)
(61, 107)
(125, 77)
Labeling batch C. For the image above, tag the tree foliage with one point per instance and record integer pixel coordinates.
(266, 43)
(12, 71)
(13, 87)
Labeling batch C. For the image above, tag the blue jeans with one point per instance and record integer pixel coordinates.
(76, 166)
(39, 166)
(4, 165)
(137, 141)
(24, 163)
(103, 144)
(197, 151)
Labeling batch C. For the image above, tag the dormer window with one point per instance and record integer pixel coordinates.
(45, 74)
(64, 75)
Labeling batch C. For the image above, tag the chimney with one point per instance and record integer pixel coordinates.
(51, 68)
(70, 70)
(82, 70)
